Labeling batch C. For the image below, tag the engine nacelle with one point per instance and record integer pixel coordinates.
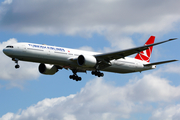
(86, 61)
(47, 69)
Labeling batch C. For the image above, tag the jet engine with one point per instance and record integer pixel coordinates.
(47, 69)
(86, 61)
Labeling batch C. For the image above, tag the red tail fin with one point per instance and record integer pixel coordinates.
(146, 54)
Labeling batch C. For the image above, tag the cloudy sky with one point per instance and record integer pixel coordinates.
(95, 25)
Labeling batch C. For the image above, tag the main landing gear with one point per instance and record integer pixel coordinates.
(16, 61)
(75, 76)
(97, 73)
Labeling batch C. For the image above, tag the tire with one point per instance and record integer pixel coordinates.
(71, 76)
(17, 66)
(102, 74)
(93, 72)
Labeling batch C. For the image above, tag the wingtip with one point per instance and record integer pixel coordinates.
(174, 60)
(173, 38)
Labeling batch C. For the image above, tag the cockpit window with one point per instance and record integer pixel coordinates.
(9, 46)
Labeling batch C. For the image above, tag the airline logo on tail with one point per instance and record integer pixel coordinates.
(146, 54)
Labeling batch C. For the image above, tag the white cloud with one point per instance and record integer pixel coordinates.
(16, 77)
(171, 112)
(101, 100)
(114, 19)
(169, 68)
(123, 43)
(7, 116)
(172, 68)
(153, 89)
(7, 2)
(86, 48)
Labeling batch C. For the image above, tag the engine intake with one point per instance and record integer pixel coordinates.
(86, 61)
(47, 69)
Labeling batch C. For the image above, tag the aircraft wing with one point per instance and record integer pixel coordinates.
(127, 52)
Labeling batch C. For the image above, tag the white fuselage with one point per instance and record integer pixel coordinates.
(65, 57)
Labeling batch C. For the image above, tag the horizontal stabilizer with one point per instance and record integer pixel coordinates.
(162, 62)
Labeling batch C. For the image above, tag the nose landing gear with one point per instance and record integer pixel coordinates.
(16, 61)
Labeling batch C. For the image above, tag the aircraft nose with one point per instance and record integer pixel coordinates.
(4, 51)
(8, 50)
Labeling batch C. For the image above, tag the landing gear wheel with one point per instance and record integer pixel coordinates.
(79, 78)
(102, 74)
(97, 73)
(17, 66)
(75, 77)
(93, 72)
(71, 76)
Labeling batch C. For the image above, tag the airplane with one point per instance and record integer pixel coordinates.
(52, 58)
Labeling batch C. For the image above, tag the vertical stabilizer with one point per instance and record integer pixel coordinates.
(146, 54)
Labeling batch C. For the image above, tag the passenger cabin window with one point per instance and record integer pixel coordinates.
(9, 46)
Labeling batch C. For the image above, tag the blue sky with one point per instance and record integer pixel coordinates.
(96, 25)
